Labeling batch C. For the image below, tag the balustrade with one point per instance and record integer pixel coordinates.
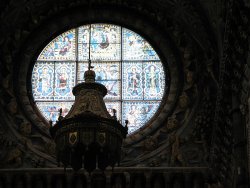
(120, 177)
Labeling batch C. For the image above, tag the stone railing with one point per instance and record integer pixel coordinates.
(120, 177)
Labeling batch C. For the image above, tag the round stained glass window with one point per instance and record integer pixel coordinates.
(123, 61)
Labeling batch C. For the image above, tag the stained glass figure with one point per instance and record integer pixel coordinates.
(50, 110)
(136, 48)
(138, 113)
(83, 43)
(61, 48)
(105, 42)
(123, 61)
(154, 79)
(107, 70)
(42, 81)
(64, 80)
(132, 81)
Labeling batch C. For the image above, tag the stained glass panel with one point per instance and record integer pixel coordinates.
(83, 43)
(107, 70)
(81, 68)
(122, 62)
(64, 80)
(102, 33)
(43, 80)
(83, 34)
(61, 48)
(153, 80)
(113, 88)
(136, 48)
(114, 105)
(50, 110)
(132, 81)
(83, 51)
(105, 52)
(138, 113)
(105, 42)
(103, 70)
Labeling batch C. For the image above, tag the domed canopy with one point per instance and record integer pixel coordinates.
(88, 129)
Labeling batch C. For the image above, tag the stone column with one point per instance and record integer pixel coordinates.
(108, 180)
(128, 179)
(88, 180)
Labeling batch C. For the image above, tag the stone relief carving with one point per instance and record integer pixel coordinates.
(150, 143)
(25, 128)
(171, 124)
(14, 156)
(184, 101)
(176, 154)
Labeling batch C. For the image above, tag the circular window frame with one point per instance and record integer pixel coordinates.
(60, 23)
(122, 62)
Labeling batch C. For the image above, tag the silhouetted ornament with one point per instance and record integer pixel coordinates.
(88, 135)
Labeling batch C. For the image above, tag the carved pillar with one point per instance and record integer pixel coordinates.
(88, 181)
(128, 179)
(108, 180)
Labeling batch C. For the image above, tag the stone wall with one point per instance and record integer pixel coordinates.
(204, 44)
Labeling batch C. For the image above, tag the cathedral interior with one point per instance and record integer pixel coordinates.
(197, 135)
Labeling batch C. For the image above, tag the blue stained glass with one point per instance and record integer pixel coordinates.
(64, 80)
(122, 62)
(114, 105)
(154, 81)
(104, 71)
(132, 81)
(51, 109)
(107, 71)
(138, 113)
(83, 51)
(105, 34)
(83, 43)
(42, 81)
(81, 68)
(136, 48)
(105, 42)
(61, 48)
(108, 52)
(113, 88)
(83, 34)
